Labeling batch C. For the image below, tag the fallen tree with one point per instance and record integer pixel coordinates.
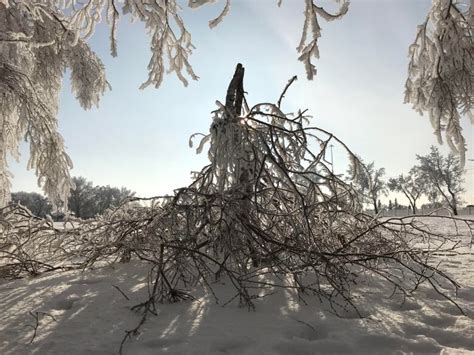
(266, 213)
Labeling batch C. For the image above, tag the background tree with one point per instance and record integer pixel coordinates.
(369, 184)
(82, 198)
(36, 203)
(396, 204)
(412, 186)
(85, 200)
(108, 197)
(444, 176)
(435, 199)
(88, 201)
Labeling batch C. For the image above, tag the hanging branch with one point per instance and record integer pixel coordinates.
(441, 71)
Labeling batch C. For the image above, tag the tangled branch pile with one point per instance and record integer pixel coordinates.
(30, 245)
(267, 212)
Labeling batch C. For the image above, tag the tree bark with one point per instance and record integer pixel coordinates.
(376, 210)
(454, 205)
(235, 91)
(234, 101)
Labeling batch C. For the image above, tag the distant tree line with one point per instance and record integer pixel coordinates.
(85, 200)
(435, 176)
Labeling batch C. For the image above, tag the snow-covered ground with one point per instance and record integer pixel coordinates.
(84, 313)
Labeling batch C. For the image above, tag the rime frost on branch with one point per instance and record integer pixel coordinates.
(308, 47)
(441, 70)
(158, 17)
(33, 59)
(170, 43)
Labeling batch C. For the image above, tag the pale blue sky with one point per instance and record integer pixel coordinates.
(139, 139)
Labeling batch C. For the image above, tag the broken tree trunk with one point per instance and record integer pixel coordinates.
(243, 170)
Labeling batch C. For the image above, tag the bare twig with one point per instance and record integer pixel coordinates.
(123, 293)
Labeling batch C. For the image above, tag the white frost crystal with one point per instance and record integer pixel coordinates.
(441, 70)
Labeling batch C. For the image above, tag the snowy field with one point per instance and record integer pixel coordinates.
(85, 313)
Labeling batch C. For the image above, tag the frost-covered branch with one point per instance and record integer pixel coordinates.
(441, 70)
(308, 47)
(158, 17)
(31, 72)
